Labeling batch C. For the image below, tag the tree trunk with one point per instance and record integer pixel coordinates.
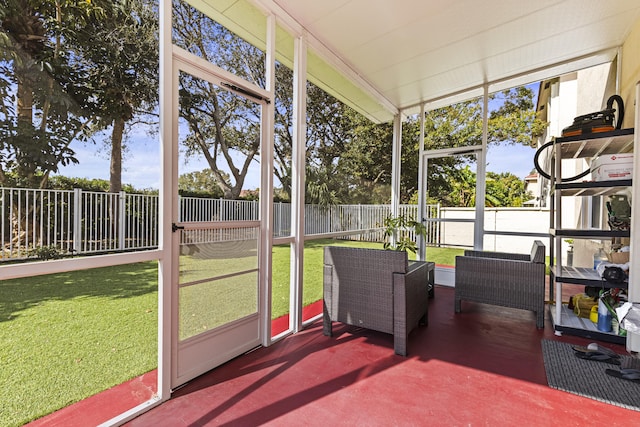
(24, 95)
(115, 178)
(25, 103)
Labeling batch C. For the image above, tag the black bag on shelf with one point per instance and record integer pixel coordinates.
(592, 291)
(614, 275)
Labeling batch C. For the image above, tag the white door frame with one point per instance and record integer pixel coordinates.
(445, 276)
(186, 360)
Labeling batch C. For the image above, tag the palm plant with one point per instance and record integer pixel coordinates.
(401, 227)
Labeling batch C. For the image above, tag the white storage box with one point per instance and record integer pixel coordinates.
(612, 167)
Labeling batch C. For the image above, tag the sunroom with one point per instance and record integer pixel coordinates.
(387, 61)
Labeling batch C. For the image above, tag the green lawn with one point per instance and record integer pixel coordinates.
(67, 336)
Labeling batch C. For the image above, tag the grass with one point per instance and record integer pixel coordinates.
(206, 304)
(64, 337)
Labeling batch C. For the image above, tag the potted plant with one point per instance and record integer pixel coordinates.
(402, 227)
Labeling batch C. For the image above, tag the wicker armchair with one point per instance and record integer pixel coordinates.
(497, 278)
(374, 289)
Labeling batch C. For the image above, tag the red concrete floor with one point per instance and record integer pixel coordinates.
(108, 404)
(481, 367)
(101, 407)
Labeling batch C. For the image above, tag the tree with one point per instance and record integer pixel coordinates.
(505, 189)
(511, 120)
(283, 127)
(222, 126)
(200, 183)
(349, 158)
(514, 121)
(502, 189)
(41, 112)
(117, 52)
(329, 132)
(464, 189)
(78, 66)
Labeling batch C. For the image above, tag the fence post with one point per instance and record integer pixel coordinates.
(277, 218)
(121, 219)
(439, 229)
(77, 220)
(360, 221)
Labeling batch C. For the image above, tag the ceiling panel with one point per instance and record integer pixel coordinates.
(414, 51)
(398, 54)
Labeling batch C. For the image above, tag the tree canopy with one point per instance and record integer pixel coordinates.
(41, 113)
(117, 52)
(199, 184)
(69, 68)
(354, 166)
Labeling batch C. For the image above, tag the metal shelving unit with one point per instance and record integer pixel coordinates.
(575, 147)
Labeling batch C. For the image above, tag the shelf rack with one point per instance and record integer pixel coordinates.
(576, 147)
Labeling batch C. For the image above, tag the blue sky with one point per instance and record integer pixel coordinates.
(141, 161)
(516, 159)
(141, 164)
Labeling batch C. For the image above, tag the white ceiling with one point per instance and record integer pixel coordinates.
(408, 52)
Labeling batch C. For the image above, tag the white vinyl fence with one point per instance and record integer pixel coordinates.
(48, 223)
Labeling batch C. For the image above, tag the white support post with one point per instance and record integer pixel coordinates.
(396, 157)
(168, 156)
(422, 187)
(481, 170)
(266, 184)
(122, 198)
(298, 159)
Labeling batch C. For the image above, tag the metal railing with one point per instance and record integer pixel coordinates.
(41, 223)
(48, 223)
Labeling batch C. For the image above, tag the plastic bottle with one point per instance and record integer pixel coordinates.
(598, 257)
(604, 317)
